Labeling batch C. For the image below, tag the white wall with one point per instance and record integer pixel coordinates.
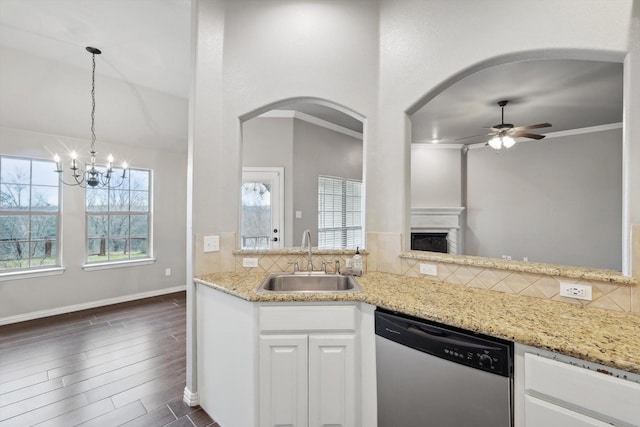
(556, 200)
(45, 109)
(270, 51)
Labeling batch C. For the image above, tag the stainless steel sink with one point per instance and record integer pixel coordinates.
(308, 282)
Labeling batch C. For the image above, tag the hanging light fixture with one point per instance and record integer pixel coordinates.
(92, 175)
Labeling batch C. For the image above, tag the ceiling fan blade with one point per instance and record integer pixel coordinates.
(519, 134)
(539, 125)
(475, 136)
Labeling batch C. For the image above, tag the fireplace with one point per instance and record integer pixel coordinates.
(436, 229)
(432, 242)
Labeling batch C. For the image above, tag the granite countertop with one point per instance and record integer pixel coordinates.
(607, 337)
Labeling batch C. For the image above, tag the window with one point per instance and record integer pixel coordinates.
(29, 214)
(339, 212)
(119, 218)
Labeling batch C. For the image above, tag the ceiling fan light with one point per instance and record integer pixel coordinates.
(495, 143)
(508, 142)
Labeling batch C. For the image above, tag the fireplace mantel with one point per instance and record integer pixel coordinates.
(430, 218)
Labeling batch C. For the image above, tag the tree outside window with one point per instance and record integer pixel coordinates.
(29, 214)
(119, 218)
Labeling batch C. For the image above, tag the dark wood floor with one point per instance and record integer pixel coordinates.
(122, 364)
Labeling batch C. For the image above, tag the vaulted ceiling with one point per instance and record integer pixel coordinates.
(146, 43)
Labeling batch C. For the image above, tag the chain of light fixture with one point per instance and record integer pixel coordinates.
(92, 176)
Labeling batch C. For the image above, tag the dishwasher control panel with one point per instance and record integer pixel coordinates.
(463, 347)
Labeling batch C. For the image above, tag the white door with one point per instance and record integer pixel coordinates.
(262, 208)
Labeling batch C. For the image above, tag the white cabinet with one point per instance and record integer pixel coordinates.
(285, 364)
(560, 391)
(541, 413)
(307, 369)
(283, 380)
(332, 395)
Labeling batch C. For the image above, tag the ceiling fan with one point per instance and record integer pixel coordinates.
(504, 133)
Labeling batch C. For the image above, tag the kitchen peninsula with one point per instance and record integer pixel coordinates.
(604, 337)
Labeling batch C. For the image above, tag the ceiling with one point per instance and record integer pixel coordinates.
(144, 42)
(147, 44)
(569, 94)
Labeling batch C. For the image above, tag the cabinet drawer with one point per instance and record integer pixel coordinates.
(545, 414)
(593, 391)
(308, 318)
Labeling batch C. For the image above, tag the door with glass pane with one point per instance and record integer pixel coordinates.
(262, 208)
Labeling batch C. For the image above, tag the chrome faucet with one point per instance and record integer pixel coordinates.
(306, 241)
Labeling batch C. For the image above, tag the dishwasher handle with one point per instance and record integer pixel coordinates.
(443, 337)
(420, 335)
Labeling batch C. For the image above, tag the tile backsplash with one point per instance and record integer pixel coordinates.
(610, 296)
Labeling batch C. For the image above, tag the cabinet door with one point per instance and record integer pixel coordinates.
(332, 379)
(283, 381)
(544, 414)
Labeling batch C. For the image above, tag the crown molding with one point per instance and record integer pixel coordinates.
(562, 133)
(580, 131)
(291, 114)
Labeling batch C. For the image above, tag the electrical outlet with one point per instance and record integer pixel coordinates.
(167, 272)
(574, 290)
(250, 262)
(428, 269)
(211, 243)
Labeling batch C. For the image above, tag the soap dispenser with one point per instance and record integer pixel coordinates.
(356, 263)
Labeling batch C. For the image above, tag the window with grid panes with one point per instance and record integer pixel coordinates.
(29, 214)
(339, 212)
(119, 218)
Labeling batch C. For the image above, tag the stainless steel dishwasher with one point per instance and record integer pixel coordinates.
(430, 374)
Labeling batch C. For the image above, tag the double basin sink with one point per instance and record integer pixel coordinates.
(308, 282)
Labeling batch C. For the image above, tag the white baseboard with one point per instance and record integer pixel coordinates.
(190, 398)
(93, 304)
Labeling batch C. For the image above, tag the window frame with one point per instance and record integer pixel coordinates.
(109, 213)
(344, 228)
(29, 212)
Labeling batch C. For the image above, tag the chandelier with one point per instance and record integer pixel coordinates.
(92, 175)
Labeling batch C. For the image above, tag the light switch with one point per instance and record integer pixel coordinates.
(211, 243)
(298, 214)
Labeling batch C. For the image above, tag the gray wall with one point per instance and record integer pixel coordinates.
(45, 109)
(556, 200)
(436, 176)
(305, 150)
(76, 287)
(319, 151)
(268, 142)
